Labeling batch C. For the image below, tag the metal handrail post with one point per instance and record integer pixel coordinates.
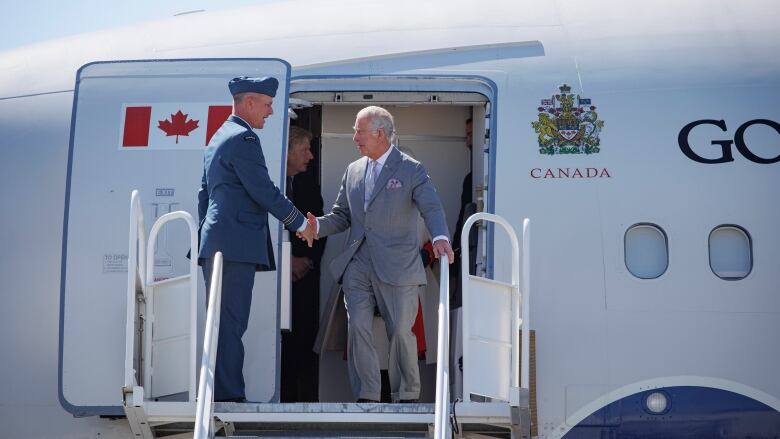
(193, 228)
(204, 407)
(442, 427)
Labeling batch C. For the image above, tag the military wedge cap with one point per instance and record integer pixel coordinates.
(244, 84)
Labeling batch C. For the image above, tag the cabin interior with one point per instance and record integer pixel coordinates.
(431, 128)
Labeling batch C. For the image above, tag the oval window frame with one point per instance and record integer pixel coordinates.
(750, 250)
(666, 247)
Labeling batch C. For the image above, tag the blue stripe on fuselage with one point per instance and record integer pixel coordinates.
(694, 412)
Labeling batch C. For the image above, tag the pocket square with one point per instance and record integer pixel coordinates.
(394, 183)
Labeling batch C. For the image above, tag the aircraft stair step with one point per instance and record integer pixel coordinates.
(329, 435)
(322, 430)
(346, 434)
(322, 407)
(342, 431)
(336, 420)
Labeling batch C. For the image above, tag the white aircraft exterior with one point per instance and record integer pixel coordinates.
(642, 140)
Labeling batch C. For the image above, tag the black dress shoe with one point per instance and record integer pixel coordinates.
(409, 401)
(363, 400)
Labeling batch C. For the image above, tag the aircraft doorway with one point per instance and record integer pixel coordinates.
(430, 128)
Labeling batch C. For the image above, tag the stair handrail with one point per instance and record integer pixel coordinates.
(204, 408)
(193, 229)
(520, 366)
(442, 427)
(136, 259)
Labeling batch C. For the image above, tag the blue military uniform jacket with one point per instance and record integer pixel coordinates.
(236, 196)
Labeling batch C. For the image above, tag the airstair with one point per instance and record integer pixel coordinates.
(161, 398)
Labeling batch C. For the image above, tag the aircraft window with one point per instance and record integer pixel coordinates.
(646, 251)
(731, 252)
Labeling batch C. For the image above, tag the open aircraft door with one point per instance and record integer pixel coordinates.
(143, 125)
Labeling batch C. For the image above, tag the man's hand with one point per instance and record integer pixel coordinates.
(309, 234)
(442, 247)
(312, 220)
(301, 265)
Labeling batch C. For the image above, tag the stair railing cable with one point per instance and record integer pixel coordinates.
(204, 409)
(442, 427)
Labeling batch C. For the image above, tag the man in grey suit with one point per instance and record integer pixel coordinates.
(380, 200)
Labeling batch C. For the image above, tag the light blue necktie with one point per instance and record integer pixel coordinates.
(370, 181)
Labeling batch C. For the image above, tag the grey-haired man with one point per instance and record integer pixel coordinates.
(380, 199)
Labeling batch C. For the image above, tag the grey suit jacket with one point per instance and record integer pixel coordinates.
(389, 225)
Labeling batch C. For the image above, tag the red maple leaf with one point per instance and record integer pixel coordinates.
(178, 125)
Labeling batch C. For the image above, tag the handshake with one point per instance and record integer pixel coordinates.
(309, 234)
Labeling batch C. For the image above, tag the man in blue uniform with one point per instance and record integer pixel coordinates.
(300, 364)
(235, 198)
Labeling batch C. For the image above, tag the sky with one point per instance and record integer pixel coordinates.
(25, 22)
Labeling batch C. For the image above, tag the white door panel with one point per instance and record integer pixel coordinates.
(128, 134)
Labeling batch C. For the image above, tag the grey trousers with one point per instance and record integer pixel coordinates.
(398, 305)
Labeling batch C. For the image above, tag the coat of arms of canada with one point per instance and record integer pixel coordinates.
(565, 127)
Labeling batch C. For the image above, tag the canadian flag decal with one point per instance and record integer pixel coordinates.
(171, 125)
(217, 115)
(136, 132)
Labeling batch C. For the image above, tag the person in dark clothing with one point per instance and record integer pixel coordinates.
(467, 208)
(300, 371)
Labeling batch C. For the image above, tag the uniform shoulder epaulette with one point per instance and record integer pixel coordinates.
(250, 138)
